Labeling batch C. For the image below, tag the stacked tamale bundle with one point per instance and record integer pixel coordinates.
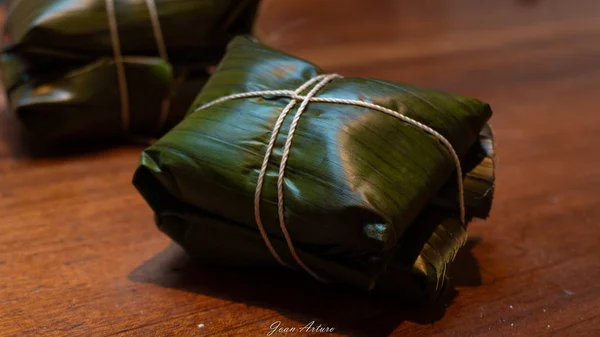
(99, 69)
(365, 194)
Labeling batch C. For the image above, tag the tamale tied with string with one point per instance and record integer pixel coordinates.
(104, 69)
(354, 181)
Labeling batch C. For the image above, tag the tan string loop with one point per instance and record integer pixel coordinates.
(162, 51)
(265, 163)
(280, 178)
(310, 97)
(118, 58)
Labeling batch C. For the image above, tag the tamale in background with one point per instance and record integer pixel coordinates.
(89, 72)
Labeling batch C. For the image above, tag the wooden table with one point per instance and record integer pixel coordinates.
(80, 255)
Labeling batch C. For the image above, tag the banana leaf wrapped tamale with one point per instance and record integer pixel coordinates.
(103, 69)
(356, 183)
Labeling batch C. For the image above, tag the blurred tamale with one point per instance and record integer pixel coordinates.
(366, 194)
(104, 69)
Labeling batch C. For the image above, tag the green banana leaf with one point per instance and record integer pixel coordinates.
(426, 250)
(79, 30)
(367, 200)
(85, 103)
(61, 79)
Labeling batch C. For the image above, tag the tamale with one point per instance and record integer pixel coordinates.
(103, 69)
(366, 199)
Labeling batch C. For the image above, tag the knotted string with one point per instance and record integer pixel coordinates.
(118, 59)
(296, 95)
(265, 163)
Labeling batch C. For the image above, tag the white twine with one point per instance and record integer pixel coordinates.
(162, 51)
(281, 176)
(265, 163)
(296, 95)
(118, 58)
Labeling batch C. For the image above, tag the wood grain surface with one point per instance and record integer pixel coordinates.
(80, 254)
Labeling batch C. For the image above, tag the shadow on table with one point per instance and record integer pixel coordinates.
(298, 297)
(23, 145)
(465, 269)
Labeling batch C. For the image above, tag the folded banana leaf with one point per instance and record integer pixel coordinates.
(370, 200)
(426, 250)
(85, 103)
(62, 80)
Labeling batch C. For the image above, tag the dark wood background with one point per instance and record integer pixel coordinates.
(80, 255)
